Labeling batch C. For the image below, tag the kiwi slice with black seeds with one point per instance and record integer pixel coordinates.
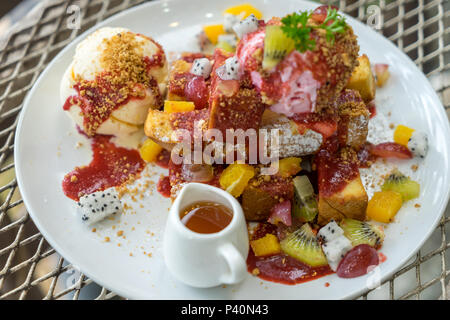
(305, 202)
(302, 245)
(276, 46)
(361, 232)
(400, 183)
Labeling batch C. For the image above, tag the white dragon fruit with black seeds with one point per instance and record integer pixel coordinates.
(335, 250)
(245, 26)
(330, 232)
(230, 70)
(99, 205)
(418, 144)
(229, 21)
(201, 67)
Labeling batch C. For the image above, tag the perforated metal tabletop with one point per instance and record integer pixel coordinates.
(31, 269)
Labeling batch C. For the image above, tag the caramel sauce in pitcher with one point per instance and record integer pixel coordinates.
(206, 217)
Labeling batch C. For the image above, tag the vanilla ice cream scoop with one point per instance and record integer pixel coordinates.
(115, 77)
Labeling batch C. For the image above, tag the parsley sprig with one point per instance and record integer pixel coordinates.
(296, 27)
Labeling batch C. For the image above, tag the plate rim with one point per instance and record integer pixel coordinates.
(66, 254)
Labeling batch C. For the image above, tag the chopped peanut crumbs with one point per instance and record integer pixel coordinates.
(119, 233)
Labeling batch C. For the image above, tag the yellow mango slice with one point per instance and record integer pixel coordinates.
(235, 178)
(289, 166)
(245, 9)
(178, 106)
(265, 246)
(213, 32)
(402, 134)
(150, 150)
(384, 206)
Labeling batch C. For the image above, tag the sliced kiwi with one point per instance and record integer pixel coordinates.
(360, 232)
(400, 183)
(225, 46)
(305, 202)
(303, 246)
(276, 46)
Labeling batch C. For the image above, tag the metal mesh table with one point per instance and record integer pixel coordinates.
(31, 269)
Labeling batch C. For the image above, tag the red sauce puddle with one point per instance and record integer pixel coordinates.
(163, 159)
(163, 186)
(281, 268)
(111, 166)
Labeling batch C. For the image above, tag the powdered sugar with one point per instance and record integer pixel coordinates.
(381, 130)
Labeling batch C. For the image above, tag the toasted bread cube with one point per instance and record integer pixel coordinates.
(174, 91)
(358, 128)
(351, 202)
(363, 80)
(264, 192)
(157, 126)
(353, 118)
(232, 104)
(234, 108)
(266, 246)
(162, 127)
(257, 203)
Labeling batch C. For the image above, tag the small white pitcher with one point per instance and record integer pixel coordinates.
(206, 259)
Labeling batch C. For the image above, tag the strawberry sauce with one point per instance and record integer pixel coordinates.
(111, 166)
(163, 186)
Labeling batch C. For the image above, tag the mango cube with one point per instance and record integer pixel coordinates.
(265, 246)
(178, 106)
(235, 178)
(288, 167)
(213, 32)
(384, 206)
(245, 9)
(150, 150)
(402, 134)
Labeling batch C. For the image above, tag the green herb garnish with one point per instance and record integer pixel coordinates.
(295, 27)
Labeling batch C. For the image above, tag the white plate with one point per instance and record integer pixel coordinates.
(45, 151)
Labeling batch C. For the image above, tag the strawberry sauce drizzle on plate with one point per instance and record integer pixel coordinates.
(111, 166)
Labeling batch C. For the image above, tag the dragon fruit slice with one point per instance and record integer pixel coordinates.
(201, 67)
(230, 70)
(335, 250)
(99, 205)
(245, 26)
(229, 21)
(330, 232)
(418, 144)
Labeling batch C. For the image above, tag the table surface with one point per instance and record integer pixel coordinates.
(31, 269)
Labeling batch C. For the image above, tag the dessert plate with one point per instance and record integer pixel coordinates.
(130, 262)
